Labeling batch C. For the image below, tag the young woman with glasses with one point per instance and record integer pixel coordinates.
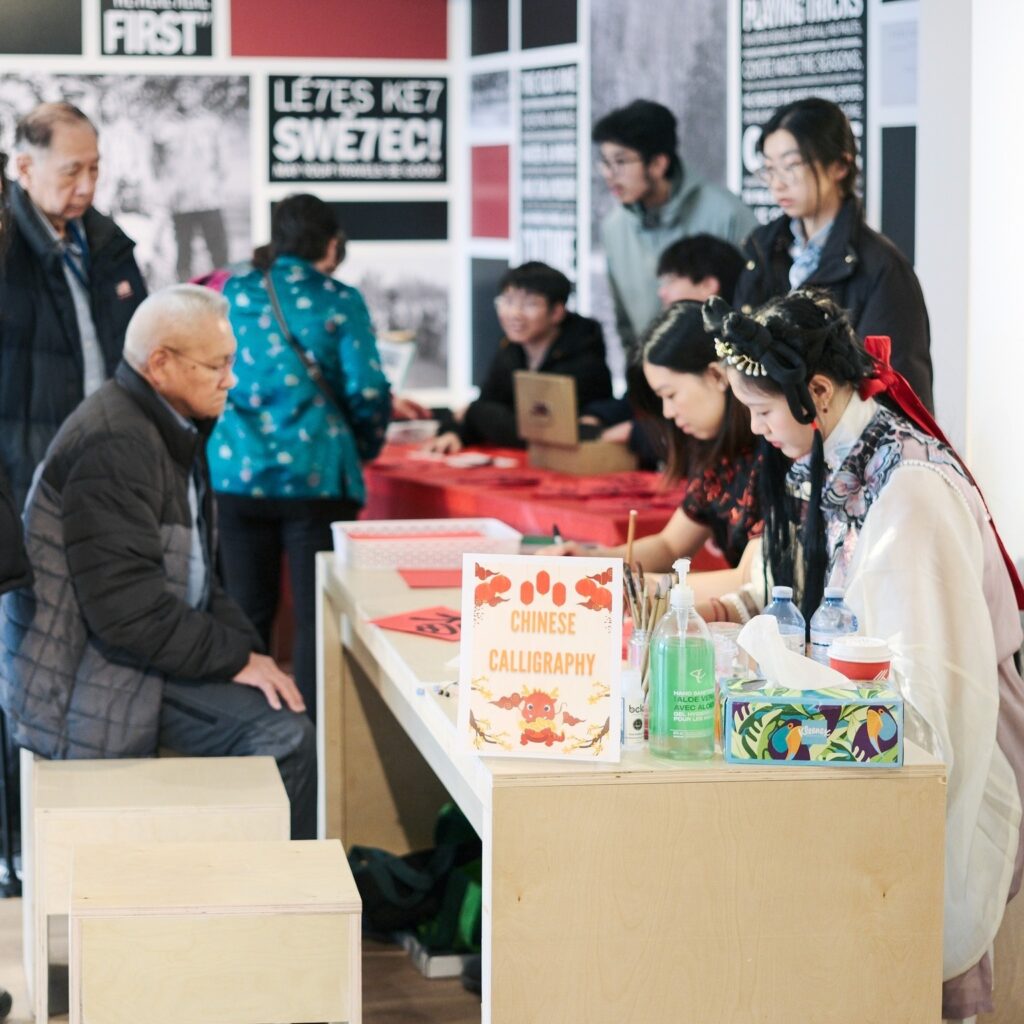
(821, 238)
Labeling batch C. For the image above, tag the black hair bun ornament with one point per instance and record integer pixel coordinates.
(715, 310)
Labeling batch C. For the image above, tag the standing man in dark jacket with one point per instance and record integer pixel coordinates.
(67, 291)
(542, 335)
(127, 640)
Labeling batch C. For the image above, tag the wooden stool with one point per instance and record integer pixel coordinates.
(66, 803)
(237, 933)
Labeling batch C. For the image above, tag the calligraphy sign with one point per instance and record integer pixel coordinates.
(541, 656)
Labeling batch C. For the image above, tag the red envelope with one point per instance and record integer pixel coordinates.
(439, 622)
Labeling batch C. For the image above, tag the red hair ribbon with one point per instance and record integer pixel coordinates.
(896, 386)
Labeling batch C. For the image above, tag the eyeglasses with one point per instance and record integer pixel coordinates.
(613, 168)
(509, 305)
(222, 370)
(787, 174)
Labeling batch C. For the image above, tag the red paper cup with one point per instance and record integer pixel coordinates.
(864, 658)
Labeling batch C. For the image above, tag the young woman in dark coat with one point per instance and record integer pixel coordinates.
(821, 238)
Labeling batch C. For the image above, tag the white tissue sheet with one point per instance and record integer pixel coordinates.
(760, 638)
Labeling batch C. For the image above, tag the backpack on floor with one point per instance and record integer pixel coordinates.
(404, 893)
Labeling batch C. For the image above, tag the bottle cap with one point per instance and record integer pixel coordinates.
(835, 593)
(784, 592)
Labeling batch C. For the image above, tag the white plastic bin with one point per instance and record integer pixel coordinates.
(419, 543)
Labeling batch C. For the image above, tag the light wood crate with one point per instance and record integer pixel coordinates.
(66, 804)
(224, 933)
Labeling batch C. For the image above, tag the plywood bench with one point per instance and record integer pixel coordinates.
(69, 803)
(238, 933)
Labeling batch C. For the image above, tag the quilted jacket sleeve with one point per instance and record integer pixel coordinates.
(112, 539)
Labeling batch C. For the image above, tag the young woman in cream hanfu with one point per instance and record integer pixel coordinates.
(861, 490)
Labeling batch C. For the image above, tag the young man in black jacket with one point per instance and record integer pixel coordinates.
(127, 641)
(539, 334)
(68, 287)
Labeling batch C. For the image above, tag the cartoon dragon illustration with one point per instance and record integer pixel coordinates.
(541, 719)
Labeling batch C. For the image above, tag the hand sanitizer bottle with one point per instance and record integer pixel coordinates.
(682, 689)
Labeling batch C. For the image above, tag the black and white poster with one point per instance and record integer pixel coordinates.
(174, 168)
(635, 56)
(490, 106)
(406, 286)
(156, 28)
(548, 160)
(330, 128)
(792, 50)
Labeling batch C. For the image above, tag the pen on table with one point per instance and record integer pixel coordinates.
(556, 533)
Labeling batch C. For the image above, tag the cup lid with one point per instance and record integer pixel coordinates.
(725, 629)
(859, 648)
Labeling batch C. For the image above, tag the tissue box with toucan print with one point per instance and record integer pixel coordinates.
(857, 726)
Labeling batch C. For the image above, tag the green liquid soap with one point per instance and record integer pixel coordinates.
(682, 690)
(683, 699)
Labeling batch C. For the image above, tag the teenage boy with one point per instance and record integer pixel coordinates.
(660, 201)
(539, 334)
(696, 268)
(693, 268)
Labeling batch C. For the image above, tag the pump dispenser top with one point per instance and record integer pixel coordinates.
(682, 592)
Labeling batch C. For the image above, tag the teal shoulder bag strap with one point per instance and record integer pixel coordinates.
(312, 367)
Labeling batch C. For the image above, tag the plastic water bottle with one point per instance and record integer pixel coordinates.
(723, 636)
(792, 627)
(833, 618)
(682, 690)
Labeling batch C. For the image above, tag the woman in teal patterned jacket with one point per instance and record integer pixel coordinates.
(285, 460)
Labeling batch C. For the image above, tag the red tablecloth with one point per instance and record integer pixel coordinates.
(533, 501)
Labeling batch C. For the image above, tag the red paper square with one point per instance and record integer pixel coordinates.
(490, 191)
(425, 578)
(438, 623)
(391, 29)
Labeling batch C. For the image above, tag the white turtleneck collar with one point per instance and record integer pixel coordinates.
(846, 433)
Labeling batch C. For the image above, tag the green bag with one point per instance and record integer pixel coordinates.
(415, 890)
(456, 926)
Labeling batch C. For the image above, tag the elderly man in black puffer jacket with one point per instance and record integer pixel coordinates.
(126, 640)
(68, 287)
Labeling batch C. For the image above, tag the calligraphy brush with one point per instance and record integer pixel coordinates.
(631, 596)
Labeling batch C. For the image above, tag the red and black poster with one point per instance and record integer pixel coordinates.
(331, 128)
(156, 28)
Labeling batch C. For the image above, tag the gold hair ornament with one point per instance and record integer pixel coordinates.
(745, 364)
